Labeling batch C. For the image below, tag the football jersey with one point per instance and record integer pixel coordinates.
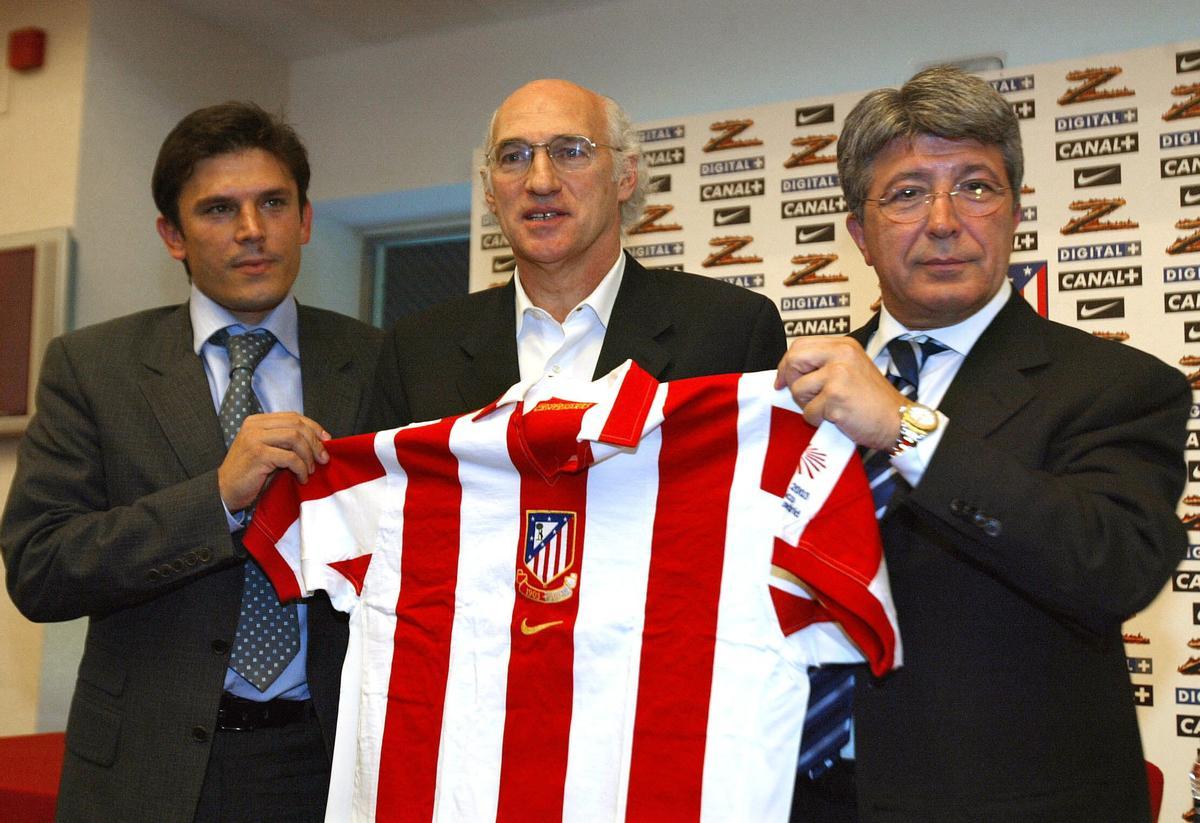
(586, 602)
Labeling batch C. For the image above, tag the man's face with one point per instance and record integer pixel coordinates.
(241, 229)
(941, 269)
(559, 221)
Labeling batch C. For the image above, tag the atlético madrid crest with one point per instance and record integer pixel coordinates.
(545, 573)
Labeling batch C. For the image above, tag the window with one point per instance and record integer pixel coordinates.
(417, 267)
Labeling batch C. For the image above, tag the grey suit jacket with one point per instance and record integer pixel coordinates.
(1045, 518)
(115, 515)
(462, 354)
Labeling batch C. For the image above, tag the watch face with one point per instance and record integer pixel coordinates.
(923, 417)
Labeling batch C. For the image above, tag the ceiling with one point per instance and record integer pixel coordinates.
(308, 28)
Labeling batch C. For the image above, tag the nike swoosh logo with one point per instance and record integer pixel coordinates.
(526, 629)
(1192, 197)
(1188, 65)
(731, 217)
(811, 116)
(1092, 311)
(1194, 335)
(803, 236)
(1089, 179)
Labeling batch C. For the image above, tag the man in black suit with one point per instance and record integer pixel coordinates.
(1038, 471)
(127, 508)
(562, 174)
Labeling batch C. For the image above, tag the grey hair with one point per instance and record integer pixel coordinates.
(622, 137)
(940, 101)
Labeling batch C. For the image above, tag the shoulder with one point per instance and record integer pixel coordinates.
(349, 333)
(695, 288)
(131, 331)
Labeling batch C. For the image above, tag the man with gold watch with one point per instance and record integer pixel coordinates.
(1025, 475)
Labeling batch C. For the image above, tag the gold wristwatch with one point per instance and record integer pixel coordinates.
(916, 423)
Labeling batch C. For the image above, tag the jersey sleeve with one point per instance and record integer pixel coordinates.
(320, 535)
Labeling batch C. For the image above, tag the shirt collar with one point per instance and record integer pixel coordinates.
(209, 317)
(960, 337)
(601, 299)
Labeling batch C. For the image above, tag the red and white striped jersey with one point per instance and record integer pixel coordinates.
(586, 602)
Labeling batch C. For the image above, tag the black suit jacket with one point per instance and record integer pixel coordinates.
(115, 515)
(462, 354)
(1045, 518)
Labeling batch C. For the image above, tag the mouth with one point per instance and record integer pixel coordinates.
(542, 215)
(254, 264)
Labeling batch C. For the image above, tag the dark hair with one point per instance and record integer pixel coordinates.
(223, 129)
(941, 101)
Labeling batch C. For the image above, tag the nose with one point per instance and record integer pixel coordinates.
(249, 227)
(542, 177)
(943, 216)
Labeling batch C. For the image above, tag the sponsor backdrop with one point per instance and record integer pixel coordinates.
(1109, 241)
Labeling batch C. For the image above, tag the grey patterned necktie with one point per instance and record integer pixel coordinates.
(268, 635)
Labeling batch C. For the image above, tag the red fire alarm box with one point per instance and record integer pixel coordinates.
(26, 49)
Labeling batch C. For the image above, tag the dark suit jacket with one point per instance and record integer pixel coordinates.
(462, 354)
(114, 514)
(1014, 703)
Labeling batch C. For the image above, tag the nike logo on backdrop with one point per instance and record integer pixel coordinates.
(1092, 311)
(1088, 179)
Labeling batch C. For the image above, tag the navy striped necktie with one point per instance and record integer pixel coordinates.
(831, 689)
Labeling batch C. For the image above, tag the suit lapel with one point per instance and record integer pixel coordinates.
(331, 396)
(489, 348)
(991, 386)
(176, 389)
(639, 319)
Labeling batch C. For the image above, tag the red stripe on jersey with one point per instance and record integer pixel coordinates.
(625, 421)
(356, 462)
(696, 461)
(538, 704)
(789, 434)
(838, 557)
(424, 618)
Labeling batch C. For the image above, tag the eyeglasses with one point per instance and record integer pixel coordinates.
(568, 152)
(909, 204)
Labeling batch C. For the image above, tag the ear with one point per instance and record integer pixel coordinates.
(629, 178)
(859, 235)
(488, 196)
(306, 215)
(172, 238)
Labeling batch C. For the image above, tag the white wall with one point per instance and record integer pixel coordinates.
(39, 160)
(406, 115)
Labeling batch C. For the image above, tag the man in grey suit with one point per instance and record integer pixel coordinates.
(563, 172)
(1036, 474)
(127, 508)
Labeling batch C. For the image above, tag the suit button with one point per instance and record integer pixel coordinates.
(957, 506)
(992, 527)
(979, 519)
(190, 558)
(220, 646)
(152, 575)
(165, 569)
(199, 734)
(178, 565)
(205, 555)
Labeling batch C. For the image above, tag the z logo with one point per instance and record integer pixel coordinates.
(1096, 208)
(730, 129)
(724, 255)
(1089, 82)
(649, 222)
(1189, 243)
(1186, 108)
(811, 264)
(809, 146)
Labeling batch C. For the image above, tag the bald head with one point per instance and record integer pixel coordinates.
(549, 107)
